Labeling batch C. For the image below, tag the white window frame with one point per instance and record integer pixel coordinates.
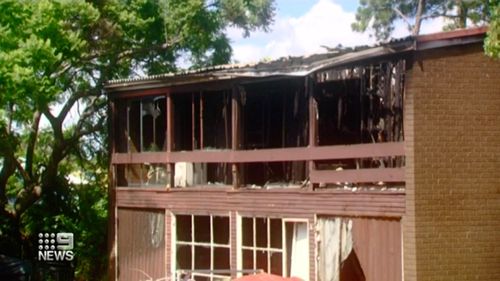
(212, 245)
(268, 249)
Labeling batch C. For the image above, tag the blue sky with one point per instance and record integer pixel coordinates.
(302, 26)
(295, 8)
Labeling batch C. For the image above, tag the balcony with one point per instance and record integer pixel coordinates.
(338, 129)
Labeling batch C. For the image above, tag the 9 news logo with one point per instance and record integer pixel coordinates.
(55, 246)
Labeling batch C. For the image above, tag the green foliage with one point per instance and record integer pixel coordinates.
(492, 41)
(380, 15)
(55, 56)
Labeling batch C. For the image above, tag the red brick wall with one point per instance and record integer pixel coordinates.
(452, 225)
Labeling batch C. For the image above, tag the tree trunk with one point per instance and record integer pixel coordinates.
(418, 18)
(462, 14)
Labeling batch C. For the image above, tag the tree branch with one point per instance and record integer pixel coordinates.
(24, 174)
(131, 52)
(403, 16)
(89, 130)
(9, 147)
(8, 168)
(52, 119)
(25, 198)
(55, 123)
(69, 104)
(418, 17)
(436, 15)
(10, 112)
(30, 150)
(65, 66)
(89, 110)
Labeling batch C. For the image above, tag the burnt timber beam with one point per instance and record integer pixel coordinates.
(201, 120)
(193, 122)
(313, 122)
(170, 139)
(235, 126)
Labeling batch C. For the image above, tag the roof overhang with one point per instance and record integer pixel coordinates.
(299, 66)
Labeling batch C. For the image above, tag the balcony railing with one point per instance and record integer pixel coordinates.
(317, 153)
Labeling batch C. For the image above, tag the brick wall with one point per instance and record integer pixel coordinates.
(452, 226)
(408, 221)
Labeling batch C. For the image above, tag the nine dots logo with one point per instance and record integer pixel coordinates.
(46, 241)
(55, 246)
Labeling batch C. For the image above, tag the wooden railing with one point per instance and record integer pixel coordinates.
(316, 153)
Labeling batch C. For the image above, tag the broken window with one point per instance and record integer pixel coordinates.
(274, 114)
(339, 112)
(183, 122)
(276, 246)
(140, 124)
(142, 175)
(361, 104)
(216, 115)
(202, 174)
(202, 120)
(203, 247)
(270, 175)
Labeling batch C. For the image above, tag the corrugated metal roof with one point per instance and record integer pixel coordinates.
(290, 66)
(287, 66)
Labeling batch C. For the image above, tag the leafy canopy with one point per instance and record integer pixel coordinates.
(492, 41)
(55, 57)
(381, 15)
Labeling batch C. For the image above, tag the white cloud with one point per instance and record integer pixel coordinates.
(326, 23)
(428, 26)
(433, 25)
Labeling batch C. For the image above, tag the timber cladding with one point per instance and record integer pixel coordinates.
(452, 225)
(141, 247)
(270, 202)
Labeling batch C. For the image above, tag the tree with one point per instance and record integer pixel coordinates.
(381, 15)
(492, 41)
(55, 57)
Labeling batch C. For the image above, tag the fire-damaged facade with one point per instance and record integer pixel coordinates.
(311, 167)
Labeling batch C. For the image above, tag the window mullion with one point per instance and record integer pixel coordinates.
(268, 220)
(192, 243)
(211, 248)
(254, 252)
(284, 265)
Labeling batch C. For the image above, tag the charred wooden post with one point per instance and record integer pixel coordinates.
(112, 219)
(170, 140)
(193, 122)
(313, 122)
(201, 120)
(235, 134)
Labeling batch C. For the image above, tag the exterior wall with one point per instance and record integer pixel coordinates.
(273, 202)
(377, 239)
(408, 220)
(376, 212)
(453, 163)
(377, 243)
(141, 244)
